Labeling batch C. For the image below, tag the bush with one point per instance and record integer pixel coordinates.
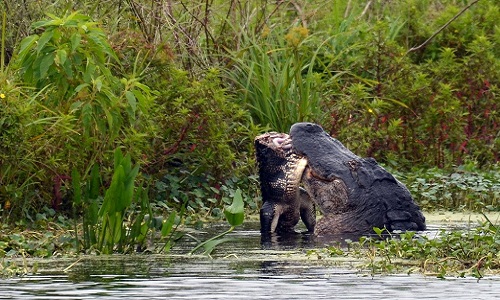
(78, 110)
(436, 107)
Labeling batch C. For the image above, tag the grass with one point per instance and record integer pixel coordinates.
(278, 85)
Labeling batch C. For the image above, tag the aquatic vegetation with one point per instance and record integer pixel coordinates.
(45, 238)
(468, 252)
(465, 187)
(122, 220)
(235, 214)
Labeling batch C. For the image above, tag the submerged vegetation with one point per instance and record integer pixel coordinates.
(467, 252)
(121, 120)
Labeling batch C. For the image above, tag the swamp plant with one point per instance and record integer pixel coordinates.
(474, 251)
(122, 220)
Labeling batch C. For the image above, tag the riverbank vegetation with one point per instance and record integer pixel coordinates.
(181, 89)
(473, 251)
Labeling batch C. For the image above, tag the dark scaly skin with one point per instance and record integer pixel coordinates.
(355, 194)
(280, 172)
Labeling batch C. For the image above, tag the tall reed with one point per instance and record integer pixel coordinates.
(277, 80)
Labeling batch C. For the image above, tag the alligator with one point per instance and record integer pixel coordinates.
(354, 194)
(280, 172)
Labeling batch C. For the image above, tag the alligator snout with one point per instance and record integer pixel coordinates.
(283, 143)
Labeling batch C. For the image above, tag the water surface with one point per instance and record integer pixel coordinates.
(242, 269)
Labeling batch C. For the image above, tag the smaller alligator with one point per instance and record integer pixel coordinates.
(280, 172)
(354, 194)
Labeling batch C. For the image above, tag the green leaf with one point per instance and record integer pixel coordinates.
(81, 86)
(98, 83)
(167, 226)
(45, 63)
(118, 158)
(210, 245)
(132, 101)
(44, 39)
(378, 231)
(235, 213)
(77, 190)
(94, 183)
(87, 117)
(75, 41)
(61, 57)
(27, 44)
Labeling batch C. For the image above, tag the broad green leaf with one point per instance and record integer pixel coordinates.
(27, 44)
(92, 210)
(112, 199)
(75, 41)
(235, 213)
(98, 83)
(210, 245)
(81, 86)
(118, 157)
(67, 68)
(61, 57)
(87, 117)
(89, 71)
(46, 62)
(44, 39)
(132, 101)
(39, 24)
(378, 231)
(168, 225)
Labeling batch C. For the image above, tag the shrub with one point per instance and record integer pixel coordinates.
(79, 109)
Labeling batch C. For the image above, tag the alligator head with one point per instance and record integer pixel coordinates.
(354, 194)
(280, 172)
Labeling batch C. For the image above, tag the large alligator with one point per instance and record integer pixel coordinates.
(354, 194)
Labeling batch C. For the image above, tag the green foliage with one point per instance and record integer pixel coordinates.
(81, 84)
(464, 188)
(204, 195)
(434, 107)
(462, 252)
(200, 129)
(122, 219)
(72, 58)
(277, 80)
(75, 103)
(235, 214)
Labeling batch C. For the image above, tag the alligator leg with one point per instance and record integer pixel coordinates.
(267, 217)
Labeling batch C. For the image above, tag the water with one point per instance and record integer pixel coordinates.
(243, 269)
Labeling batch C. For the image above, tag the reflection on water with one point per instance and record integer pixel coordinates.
(243, 269)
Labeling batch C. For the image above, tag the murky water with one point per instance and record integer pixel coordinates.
(243, 269)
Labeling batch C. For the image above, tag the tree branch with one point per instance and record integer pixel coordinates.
(442, 27)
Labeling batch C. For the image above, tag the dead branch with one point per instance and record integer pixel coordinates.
(442, 27)
(367, 6)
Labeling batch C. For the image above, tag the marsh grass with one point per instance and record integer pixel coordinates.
(276, 80)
